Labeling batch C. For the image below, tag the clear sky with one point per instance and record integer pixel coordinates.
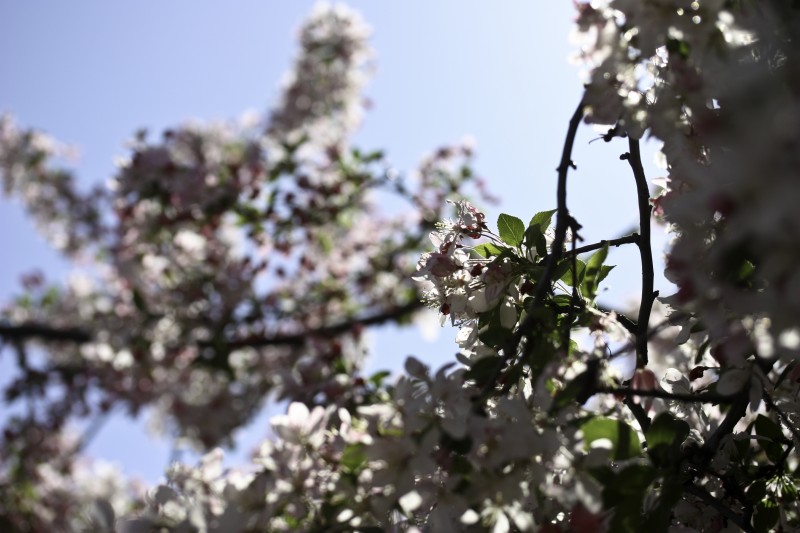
(90, 73)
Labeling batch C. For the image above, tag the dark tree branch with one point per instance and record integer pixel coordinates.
(298, 339)
(634, 158)
(32, 330)
(732, 417)
(25, 332)
(563, 222)
(628, 239)
(626, 322)
(575, 299)
(638, 413)
(657, 393)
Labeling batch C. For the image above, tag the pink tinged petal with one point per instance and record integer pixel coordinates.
(441, 265)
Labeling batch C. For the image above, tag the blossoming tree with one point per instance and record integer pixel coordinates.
(236, 261)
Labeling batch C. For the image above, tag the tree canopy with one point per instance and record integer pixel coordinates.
(233, 262)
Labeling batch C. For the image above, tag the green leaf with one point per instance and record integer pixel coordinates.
(139, 301)
(624, 440)
(766, 516)
(658, 519)
(664, 438)
(487, 249)
(378, 377)
(665, 429)
(580, 268)
(757, 491)
(353, 457)
(533, 235)
(563, 300)
(678, 47)
(325, 243)
(50, 297)
(767, 428)
(630, 482)
(483, 369)
(593, 270)
(542, 219)
(604, 270)
(511, 229)
(492, 333)
(625, 492)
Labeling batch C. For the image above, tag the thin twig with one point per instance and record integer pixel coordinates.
(628, 239)
(575, 299)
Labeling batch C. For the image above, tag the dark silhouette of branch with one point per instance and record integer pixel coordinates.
(33, 330)
(297, 339)
(29, 331)
(634, 158)
(576, 300)
(633, 238)
(622, 318)
(658, 393)
(563, 222)
(638, 413)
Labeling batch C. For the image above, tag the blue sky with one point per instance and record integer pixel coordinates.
(90, 73)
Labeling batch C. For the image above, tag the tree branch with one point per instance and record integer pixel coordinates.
(634, 158)
(28, 331)
(33, 330)
(297, 339)
(563, 220)
(628, 239)
(656, 393)
(562, 224)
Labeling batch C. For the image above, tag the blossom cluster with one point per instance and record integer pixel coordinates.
(711, 80)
